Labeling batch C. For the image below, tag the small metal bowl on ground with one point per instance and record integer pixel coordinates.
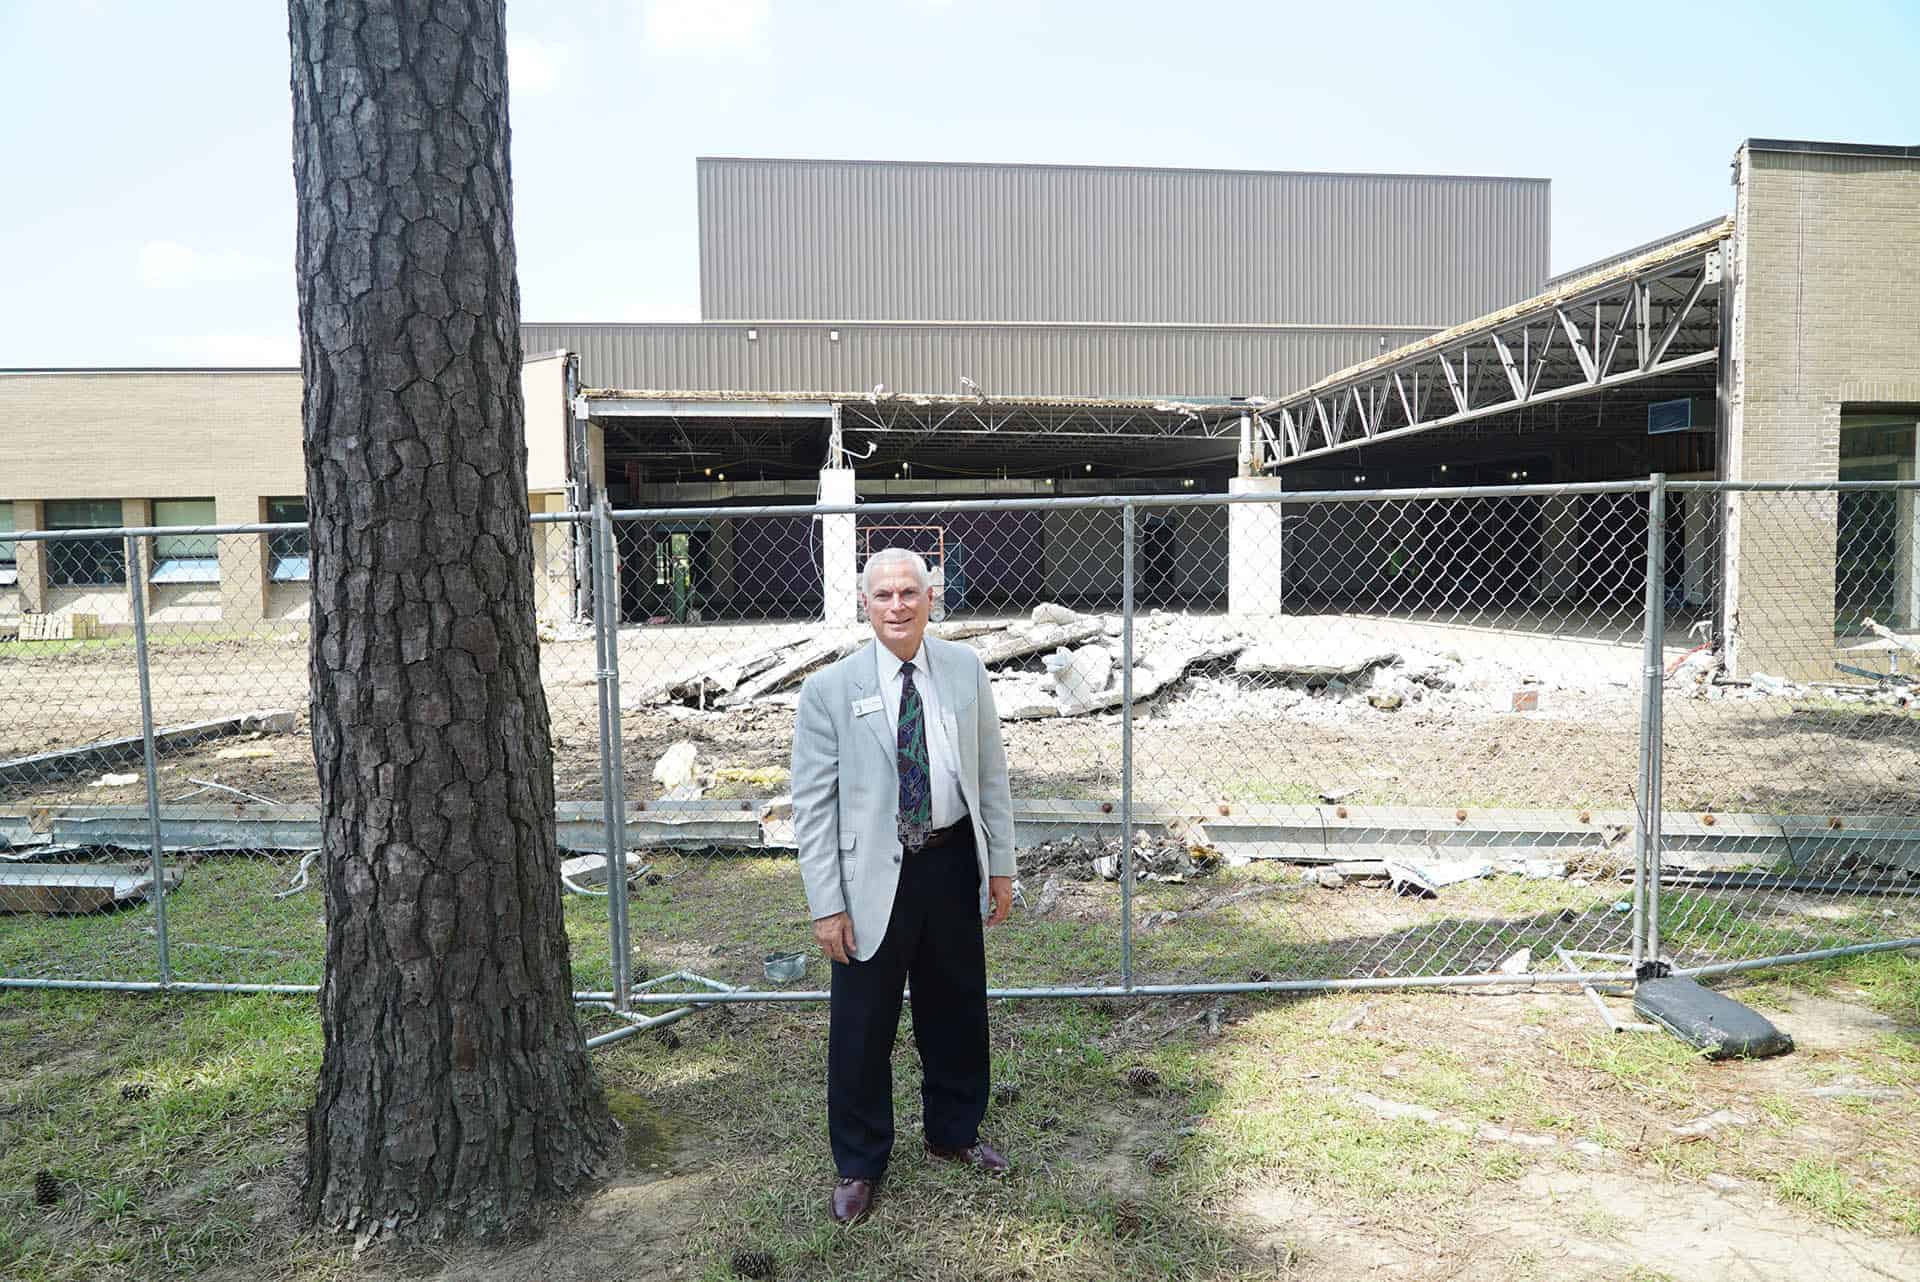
(784, 968)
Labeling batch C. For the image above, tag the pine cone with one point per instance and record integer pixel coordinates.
(1159, 1162)
(1143, 1080)
(753, 1264)
(46, 1189)
(1006, 1092)
(136, 1091)
(1126, 1220)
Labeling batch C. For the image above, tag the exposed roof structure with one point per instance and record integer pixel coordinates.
(890, 426)
(1630, 320)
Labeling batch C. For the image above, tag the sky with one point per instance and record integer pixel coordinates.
(148, 207)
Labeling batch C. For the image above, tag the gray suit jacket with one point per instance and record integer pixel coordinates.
(846, 790)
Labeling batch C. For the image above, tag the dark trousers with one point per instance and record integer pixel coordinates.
(934, 940)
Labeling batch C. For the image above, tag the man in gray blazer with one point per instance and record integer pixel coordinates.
(905, 826)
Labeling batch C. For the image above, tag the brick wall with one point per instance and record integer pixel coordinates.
(1826, 311)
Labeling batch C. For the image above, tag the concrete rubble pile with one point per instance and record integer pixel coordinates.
(1058, 662)
(1176, 854)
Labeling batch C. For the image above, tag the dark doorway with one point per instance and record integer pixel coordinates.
(1159, 551)
(664, 572)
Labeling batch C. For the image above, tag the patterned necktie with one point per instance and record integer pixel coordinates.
(916, 786)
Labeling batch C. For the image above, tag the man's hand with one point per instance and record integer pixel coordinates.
(835, 936)
(1000, 892)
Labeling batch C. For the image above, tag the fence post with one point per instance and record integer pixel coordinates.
(606, 635)
(1126, 744)
(136, 593)
(1646, 864)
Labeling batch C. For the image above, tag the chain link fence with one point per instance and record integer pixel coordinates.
(1791, 770)
(1447, 735)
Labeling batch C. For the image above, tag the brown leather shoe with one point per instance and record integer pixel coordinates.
(981, 1157)
(852, 1199)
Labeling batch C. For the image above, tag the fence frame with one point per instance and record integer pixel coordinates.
(595, 551)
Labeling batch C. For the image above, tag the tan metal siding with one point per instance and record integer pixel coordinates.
(1065, 360)
(793, 240)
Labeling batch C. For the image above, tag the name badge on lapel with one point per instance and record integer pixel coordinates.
(861, 707)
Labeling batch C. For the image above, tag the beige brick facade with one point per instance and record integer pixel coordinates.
(1826, 314)
(230, 435)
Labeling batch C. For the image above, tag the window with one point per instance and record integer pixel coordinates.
(83, 563)
(288, 549)
(1875, 577)
(185, 558)
(9, 570)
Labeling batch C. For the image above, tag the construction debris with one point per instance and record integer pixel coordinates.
(1057, 662)
(301, 876)
(1289, 661)
(1164, 857)
(77, 888)
(1424, 880)
(675, 766)
(108, 753)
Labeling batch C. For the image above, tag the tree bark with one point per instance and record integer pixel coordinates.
(455, 1092)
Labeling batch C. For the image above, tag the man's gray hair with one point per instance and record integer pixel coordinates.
(896, 556)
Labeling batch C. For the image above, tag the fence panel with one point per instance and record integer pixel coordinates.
(1792, 742)
(71, 746)
(225, 624)
(1418, 716)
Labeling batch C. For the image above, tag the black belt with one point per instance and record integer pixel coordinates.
(949, 835)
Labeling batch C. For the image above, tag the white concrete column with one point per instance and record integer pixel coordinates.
(1695, 574)
(1253, 548)
(839, 551)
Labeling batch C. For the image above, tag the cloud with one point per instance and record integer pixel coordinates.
(707, 28)
(166, 264)
(229, 349)
(533, 65)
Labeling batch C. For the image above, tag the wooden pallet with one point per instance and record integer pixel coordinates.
(60, 627)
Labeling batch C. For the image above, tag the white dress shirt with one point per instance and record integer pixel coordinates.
(943, 757)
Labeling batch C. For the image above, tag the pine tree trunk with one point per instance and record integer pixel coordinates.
(455, 1093)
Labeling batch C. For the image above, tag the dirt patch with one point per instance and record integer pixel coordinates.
(629, 1229)
(1567, 1225)
(1113, 1149)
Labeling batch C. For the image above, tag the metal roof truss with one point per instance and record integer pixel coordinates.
(1624, 330)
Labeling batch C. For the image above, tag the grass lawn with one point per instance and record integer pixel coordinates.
(1501, 1136)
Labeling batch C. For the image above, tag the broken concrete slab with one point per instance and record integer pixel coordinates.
(712, 677)
(803, 661)
(1080, 677)
(1022, 698)
(1022, 642)
(1293, 660)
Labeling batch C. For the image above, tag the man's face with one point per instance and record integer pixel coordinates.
(898, 608)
